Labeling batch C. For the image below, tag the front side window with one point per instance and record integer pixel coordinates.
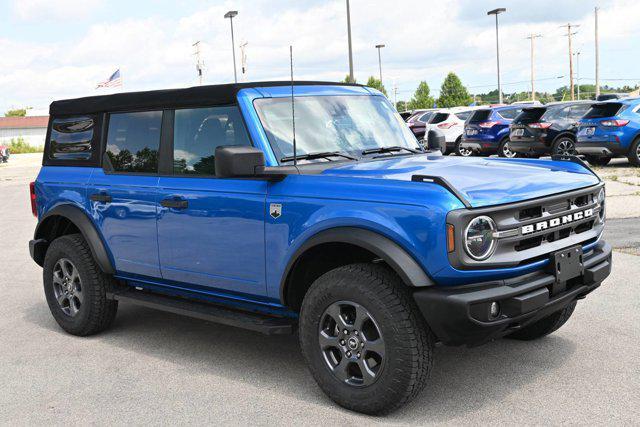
(347, 124)
(199, 131)
(133, 140)
(71, 138)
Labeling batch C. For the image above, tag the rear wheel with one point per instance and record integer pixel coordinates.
(505, 151)
(598, 160)
(634, 153)
(544, 326)
(75, 287)
(564, 146)
(462, 151)
(364, 340)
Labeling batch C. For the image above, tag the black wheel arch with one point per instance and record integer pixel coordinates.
(567, 134)
(65, 219)
(369, 242)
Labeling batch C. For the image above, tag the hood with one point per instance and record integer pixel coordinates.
(481, 181)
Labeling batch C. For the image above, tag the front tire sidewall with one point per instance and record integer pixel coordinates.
(386, 393)
(634, 155)
(556, 145)
(501, 150)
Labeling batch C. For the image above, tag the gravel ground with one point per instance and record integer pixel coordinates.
(157, 368)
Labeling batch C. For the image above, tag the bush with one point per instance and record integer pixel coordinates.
(19, 146)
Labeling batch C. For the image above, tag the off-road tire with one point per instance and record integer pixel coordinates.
(501, 149)
(634, 153)
(544, 326)
(598, 160)
(96, 312)
(408, 340)
(559, 144)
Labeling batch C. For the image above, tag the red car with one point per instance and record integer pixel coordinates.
(4, 153)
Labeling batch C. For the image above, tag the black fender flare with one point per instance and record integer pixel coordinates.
(80, 219)
(411, 273)
(563, 134)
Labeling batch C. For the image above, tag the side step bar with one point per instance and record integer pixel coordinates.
(267, 325)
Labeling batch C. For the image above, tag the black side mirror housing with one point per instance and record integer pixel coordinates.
(436, 141)
(242, 161)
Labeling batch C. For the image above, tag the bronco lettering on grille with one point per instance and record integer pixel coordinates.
(556, 222)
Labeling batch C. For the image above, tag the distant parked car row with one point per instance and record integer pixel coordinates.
(599, 131)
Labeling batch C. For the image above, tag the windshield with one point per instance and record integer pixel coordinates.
(347, 124)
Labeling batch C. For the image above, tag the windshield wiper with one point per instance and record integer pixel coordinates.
(392, 149)
(318, 155)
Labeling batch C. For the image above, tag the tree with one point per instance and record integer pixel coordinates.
(421, 97)
(453, 93)
(376, 84)
(348, 79)
(18, 112)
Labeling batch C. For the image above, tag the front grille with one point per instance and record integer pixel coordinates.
(531, 230)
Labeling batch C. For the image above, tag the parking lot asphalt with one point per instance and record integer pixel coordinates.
(158, 368)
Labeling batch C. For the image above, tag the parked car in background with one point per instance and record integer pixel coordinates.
(546, 130)
(530, 103)
(4, 153)
(486, 131)
(418, 120)
(450, 122)
(609, 96)
(610, 129)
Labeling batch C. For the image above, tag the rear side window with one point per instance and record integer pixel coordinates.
(577, 111)
(510, 113)
(556, 114)
(133, 141)
(199, 131)
(608, 109)
(71, 139)
(439, 118)
(464, 115)
(425, 117)
(480, 116)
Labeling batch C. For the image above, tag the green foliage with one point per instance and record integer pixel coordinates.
(143, 161)
(421, 97)
(19, 112)
(453, 93)
(376, 84)
(348, 79)
(20, 146)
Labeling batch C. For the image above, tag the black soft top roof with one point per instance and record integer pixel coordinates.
(223, 94)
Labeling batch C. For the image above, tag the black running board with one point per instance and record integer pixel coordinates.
(267, 325)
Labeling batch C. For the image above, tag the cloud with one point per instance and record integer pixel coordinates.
(68, 10)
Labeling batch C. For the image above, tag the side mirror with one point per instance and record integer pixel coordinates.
(436, 141)
(238, 161)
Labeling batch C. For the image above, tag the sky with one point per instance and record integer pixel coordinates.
(61, 49)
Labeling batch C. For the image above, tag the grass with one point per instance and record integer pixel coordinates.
(19, 146)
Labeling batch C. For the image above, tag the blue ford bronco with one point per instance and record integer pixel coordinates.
(309, 208)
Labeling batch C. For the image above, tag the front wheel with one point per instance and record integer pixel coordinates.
(544, 326)
(505, 151)
(364, 340)
(564, 146)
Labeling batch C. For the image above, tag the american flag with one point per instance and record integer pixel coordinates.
(113, 81)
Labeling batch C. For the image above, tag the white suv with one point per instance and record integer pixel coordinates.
(450, 121)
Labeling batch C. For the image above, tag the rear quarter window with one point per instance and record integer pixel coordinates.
(73, 141)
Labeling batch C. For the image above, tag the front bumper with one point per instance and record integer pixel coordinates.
(460, 315)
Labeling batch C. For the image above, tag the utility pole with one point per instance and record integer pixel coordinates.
(496, 12)
(395, 94)
(380, 46)
(569, 34)
(351, 78)
(199, 63)
(577, 54)
(231, 14)
(532, 37)
(597, 57)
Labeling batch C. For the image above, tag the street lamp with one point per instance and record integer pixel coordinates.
(231, 14)
(380, 46)
(496, 12)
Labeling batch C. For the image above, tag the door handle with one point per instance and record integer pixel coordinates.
(174, 203)
(101, 198)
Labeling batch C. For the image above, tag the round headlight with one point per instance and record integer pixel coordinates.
(601, 203)
(478, 238)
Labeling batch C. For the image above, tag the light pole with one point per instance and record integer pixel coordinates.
(380, 46)
(577, 54)
(231, 14)
(351, 79)
(496, 12)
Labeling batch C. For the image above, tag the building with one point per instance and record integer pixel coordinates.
(32, 129)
